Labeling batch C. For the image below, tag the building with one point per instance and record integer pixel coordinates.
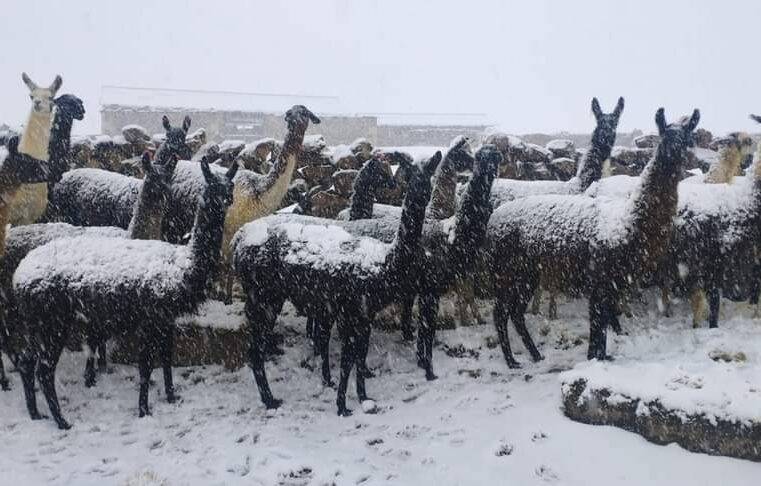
(253, 116)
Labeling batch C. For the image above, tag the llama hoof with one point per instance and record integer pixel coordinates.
(90, 382)
(537, 357)
(421, 363)
(273, 403)
(344, 412)
(366, 373)
(37, 416)
(513, 365)
(408, 336)
(63, 425)
(274, 350)
(5, 385)
(173, 398)
(144, 413)
(329, 383)
(431, 376)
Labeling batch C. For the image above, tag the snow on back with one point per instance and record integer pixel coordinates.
(94, 184)
(322, 246)
(99, 264)
(504, 190)
(3, 156)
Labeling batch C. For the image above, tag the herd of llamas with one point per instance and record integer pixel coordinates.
(89, 255)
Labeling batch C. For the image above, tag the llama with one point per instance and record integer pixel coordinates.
(67, 109)
(736, 147)
(589, 170)
(717, 229)
(16, 169)
(150, 206)
(255, 195)
(328, 273)
(374, 175)
(30, 200)
(583, 245)
(140, 289)
(96, 197)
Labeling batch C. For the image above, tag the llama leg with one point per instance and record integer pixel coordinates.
(347, 362)
(536, 303)
(362, 346)
(666, 300)
(599, 309)
(27, 364)
(553, 313)
(102, 361)
(461, 302)
(501, 320)
(407, 304)
(256, 316)
(714, 303)
(268, 330)
(46, 376)
(145, 368)
(4, 385)
(517, 314)
(92, 349)
(698, 304)
(322, 345)
(429, 310)
(166, 350)
(310, 330)
(471, 301)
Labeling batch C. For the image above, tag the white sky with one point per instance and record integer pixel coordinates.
(531, 66)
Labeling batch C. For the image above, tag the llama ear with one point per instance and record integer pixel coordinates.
(619, 107)
(13, 145)
(429, 168)
(165, 123)
(186, 124)
(145, 161)
(756, 118)
(694, 119)
(232, 170)
(57, 82)
(206, 171)
(28, 82)
(660, 120)
(596, 110)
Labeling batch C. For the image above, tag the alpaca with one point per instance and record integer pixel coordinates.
(150, 207)
(732, 154)
(31, 200)
(328, 273)
(67, 109)
(255, 195)
(96, 197)
(140, 288)
(589, 170)
(583, 245)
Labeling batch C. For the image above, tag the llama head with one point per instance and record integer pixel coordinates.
(460, 154)
(379, 173)
(604, 134)
(676, 137)
(218, 194)
(299, 117)
(42, 98)
(488, 158)
(176, 138)
(158, 177)
(70, 106)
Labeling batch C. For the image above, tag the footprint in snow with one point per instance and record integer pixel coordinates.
(546, 474)
(539, 437)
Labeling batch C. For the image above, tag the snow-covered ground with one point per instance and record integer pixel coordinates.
(479, 423)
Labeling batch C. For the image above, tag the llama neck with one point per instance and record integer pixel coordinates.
(655, 205)
(590, 168)
(362, 196)
(205, 244)
(407, 239)
(59, 147)
(443, 198)
(472, 220)
(36, 136)
(148, 213)
(283, 168)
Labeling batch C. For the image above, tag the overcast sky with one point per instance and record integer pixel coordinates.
(530, 66)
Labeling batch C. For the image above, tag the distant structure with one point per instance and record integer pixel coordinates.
(253, 116)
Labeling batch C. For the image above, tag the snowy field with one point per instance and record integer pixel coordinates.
(479, 423)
